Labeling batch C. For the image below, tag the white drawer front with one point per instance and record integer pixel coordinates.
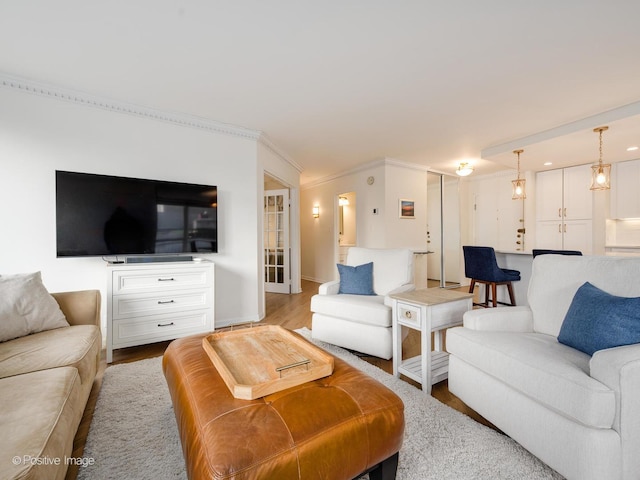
(409, 314)
(160, 327)
(125, 306)
(132, 281)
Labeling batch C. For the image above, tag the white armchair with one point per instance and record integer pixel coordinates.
(363, 322)
(578, 413)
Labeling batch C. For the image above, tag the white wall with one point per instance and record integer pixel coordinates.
(384, 229)
(319, 236)
(41, 134)
(405, 182)
(287, 173)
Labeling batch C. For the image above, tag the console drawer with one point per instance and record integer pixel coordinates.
(153, 303)
(136, 281)
(155, 328)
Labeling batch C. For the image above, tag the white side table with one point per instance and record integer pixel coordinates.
(426, 310)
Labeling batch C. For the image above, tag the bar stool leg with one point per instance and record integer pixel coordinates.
(511, 295)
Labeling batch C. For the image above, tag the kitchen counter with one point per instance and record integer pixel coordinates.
(516, 260)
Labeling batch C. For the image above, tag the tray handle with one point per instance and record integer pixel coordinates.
(306, 362)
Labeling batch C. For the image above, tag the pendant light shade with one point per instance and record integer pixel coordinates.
(601, 172)
(518, 185)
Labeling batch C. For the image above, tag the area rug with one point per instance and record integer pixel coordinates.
(133, 434)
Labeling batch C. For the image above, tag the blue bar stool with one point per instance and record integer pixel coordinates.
(541, 251)
(480, 266)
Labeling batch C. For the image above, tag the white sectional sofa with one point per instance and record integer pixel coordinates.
(578, 413)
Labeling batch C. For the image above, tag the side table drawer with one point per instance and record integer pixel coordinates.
(409, 315)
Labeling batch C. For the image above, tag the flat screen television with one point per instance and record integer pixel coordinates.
(102, 215)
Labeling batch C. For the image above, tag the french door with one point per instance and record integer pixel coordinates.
(276, 241)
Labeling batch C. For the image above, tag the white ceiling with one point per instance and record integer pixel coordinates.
(337, 84)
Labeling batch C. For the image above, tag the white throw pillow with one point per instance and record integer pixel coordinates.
(27, 307)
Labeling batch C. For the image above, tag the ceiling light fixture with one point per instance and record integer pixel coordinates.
(518, 185)
(464, 169)
(601, 173)
(632, 149)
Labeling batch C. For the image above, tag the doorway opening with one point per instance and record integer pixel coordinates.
(277, 253)
(443, 231)
(347, 231)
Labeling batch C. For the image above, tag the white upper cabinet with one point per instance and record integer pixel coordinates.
(549, 195)
(564, 194)
(577, 196)
(625, 190)
(564, 209)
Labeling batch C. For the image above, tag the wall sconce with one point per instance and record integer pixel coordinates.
(343, 201)
(316, 211)
(464, 169)
(518, 191)
(601, 173)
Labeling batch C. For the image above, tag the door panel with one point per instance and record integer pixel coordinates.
(276, 241)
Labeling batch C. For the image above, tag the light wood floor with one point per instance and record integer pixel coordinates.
(290, 311)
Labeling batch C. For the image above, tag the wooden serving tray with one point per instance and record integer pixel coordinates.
(259, 361)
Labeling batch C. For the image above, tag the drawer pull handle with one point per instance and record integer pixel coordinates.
(165, 324)
(160, 302)
(408, 314)
(166, 279)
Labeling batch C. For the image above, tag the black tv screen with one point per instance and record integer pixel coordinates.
(101, 215)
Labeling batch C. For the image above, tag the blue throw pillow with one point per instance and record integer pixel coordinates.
(356, 280)
(597, 320)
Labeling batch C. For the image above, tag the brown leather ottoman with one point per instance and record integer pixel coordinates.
(337, 427)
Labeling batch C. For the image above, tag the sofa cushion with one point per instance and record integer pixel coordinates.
(597, 320)
(356, 280)
(76, 346)
(538, 366)
(367, 309)
(40, 414)
(26, 307)
(391, 267)
(556, 278)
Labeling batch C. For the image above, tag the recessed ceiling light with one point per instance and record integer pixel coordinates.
(631, 149)
(546, 164)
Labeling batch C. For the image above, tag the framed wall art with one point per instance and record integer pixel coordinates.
(407, 208)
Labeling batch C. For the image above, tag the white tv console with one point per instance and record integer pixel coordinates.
(153, 302)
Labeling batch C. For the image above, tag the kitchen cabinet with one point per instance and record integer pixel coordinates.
(625, 190)
(564, 209)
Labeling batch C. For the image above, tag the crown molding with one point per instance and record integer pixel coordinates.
(80, 98)
(266, 142)
(372, 164)
(335, 176)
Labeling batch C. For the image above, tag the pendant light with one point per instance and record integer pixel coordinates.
(518, 185)
(601, 173)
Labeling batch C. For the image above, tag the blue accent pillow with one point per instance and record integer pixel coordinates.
(356, 280)
(597, 320)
